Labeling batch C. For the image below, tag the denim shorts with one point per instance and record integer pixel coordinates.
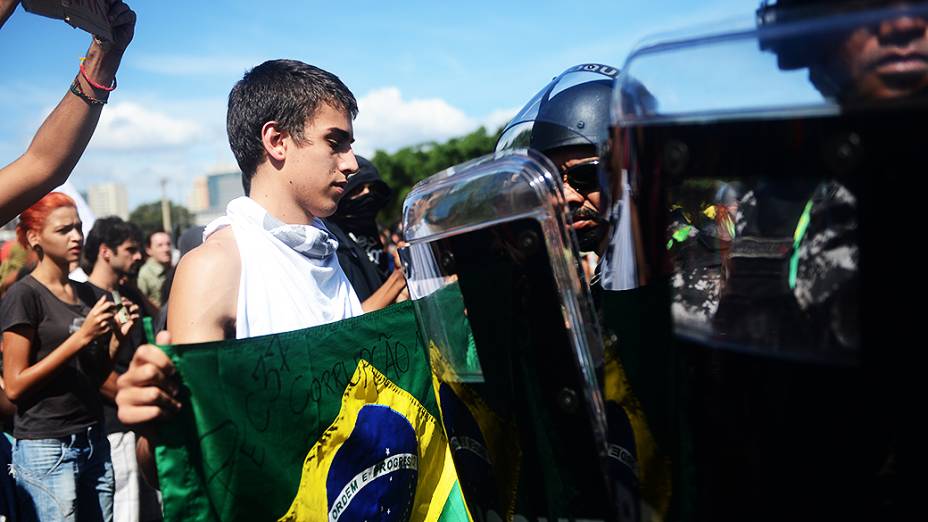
(64, 479)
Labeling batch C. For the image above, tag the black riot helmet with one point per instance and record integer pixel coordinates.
(573, 109)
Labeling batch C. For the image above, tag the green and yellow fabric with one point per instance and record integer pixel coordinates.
(335, 422)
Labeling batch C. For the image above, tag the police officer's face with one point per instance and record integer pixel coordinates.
(581, 190)
(886, 60)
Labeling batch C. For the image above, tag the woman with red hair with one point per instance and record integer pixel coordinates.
(58, 345)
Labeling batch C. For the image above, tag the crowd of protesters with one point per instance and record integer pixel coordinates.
(81, 383)
(75, 330)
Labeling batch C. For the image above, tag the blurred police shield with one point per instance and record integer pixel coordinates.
(513, 341)
(89, 15)
(765, 228)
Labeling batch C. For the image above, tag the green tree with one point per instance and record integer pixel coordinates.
(148, 217)
(409, 165)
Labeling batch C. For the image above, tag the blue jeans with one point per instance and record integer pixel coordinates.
(64, 479)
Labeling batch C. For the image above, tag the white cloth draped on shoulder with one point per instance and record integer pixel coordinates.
(290, 278)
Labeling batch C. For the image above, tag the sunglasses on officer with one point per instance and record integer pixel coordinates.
(583, 177)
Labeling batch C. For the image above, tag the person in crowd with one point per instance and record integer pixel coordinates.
(393, 238)
(155, 270)
(112, 256)
(12, 269)
(59, 341)
(269, 265)
(360, 252)
(5, 247)
(62, 138)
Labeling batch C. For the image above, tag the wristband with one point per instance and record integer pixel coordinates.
(76, 90)
(94, 84)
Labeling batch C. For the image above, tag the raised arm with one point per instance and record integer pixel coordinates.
(6, 9)
(62, 138)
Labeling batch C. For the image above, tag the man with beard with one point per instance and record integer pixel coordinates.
(113, 256)
(360, 252)
(567, 121)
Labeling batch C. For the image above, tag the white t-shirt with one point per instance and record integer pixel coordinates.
(281, 289)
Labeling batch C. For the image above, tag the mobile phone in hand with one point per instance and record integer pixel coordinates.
(122, 315)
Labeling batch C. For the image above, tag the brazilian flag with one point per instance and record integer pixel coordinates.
(333, 423)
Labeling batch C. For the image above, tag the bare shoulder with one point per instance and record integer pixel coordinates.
(218, 254)
(204, 294)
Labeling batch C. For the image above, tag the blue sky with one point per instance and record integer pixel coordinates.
(420, 70)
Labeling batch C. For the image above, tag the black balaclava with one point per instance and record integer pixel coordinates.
(356, 215)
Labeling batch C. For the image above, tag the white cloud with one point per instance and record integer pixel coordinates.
(496, 119)
(139, 142)
(388, 121)
(129, 126)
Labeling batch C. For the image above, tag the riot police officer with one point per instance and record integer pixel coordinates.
(786, 396)
(567, 121)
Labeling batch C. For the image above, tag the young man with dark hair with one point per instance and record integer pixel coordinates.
(112, 256)
(269, 265)
(117, 243)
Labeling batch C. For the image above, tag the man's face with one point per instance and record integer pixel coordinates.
(318, 167)
(159, 248)
(127, 258)
(886, 60)
(581, 190)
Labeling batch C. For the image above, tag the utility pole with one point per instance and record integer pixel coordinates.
(165, 208)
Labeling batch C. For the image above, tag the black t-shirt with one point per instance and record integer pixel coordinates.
(69, 401)
(126, 350)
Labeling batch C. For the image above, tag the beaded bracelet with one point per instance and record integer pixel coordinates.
(94, 84)
(77, 91)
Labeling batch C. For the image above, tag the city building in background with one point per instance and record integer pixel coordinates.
(199, 195)
(220, 189)
(108, 199)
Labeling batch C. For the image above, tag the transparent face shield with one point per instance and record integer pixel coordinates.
(512, 340)
(764, 179)
(751, 222)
